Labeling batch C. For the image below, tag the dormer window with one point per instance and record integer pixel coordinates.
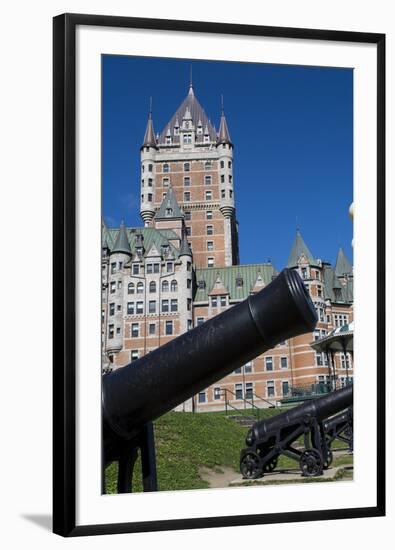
(239, 282)
(176, 131)
(199, 130)
(187, 138)
(168, 140)
(201, 285)
(206, 138)
(169, 211)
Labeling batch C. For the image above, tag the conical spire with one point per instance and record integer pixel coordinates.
(169, 207)
(149, 137)
(299, 249)
(343, 266)
(122, 242)
(223, 133)
(184, 247)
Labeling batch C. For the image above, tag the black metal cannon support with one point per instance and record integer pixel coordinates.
(268, 439)
(142, 391)
(339, 427)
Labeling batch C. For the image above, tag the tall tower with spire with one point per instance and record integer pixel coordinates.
(196, 162)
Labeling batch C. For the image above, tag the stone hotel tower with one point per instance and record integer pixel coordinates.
(182, 267)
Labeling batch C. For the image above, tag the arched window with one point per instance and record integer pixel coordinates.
(140, 288)
(131, 288)
(152, 286)
(165, 286)
(173, 285)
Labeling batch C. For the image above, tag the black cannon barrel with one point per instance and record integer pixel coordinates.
(334, 421)
(319, 408)
(159, 381)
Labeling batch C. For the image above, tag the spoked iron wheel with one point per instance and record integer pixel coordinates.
(250, 466)
(270, 466)
(311, 463)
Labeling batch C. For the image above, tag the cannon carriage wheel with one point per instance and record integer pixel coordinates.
(270, 465)
(311, 463)
(250, 466)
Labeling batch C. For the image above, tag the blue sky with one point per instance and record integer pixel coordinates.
(292, 129)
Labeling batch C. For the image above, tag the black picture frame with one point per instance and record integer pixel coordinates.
(64, 272)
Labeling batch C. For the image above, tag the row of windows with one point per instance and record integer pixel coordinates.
(153, 268)
(246, 391)
(187, 181)
(209, 230)
(187, 166)
(167, 305)
(166, 286)
(188, 215)
(135, 329)
(186, 138)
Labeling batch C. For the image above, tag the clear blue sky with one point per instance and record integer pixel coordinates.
(292, 129)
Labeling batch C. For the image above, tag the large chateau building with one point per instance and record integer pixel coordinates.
(182, 268)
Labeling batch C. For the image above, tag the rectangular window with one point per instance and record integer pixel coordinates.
(249, 390)
(223, 301)
(187, 216)
(187, 196)
(248, 367)
(110, 331)
(270, 389)
(304, 272)
(207, 180)
(285, 387)
(136, 269)
(189, 304)
(187, 181)
(152, 306)
(165, 306)
(118, 330)
(189, 283)
(130, 308)
(119, 285)
(317, 335)
(319, 359)
(190, 324)
(209, 215)
(188, 231)
(210, 230)
(149, 268)
(210, 245)
(113, 267)
(187, 167)
(174, 304)
(169, 267)
(165, 182)
(269, 363)
(134, 354)
(112, 309)
(222, 178)
(284, 362)
(199, 321)
(169, 327)
(113, 287)
(166, 168)
(214, 301)
(139, 307)
(209, 195)
(210, 262)
(239, 391)
(202, 397)
(150, 168)
(222, 193)
(152, 328)
(156, 268)
(217, 393)
(238, 371)
(135, 330)
(189, 266)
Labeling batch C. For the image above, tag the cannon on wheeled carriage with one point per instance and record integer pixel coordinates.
(268, 439)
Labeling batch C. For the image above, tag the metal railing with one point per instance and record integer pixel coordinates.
(247, 401)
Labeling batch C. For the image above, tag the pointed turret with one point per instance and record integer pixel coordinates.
(223, 133)
(184, 247)
(122, 245)
(343, 266)
(149, 137)
(298, 250)
(169, 209)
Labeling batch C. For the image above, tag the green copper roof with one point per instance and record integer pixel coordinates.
(343, 266)
(247, 274)
(299, 248)
(184, 247)
(169, 209)
(333, 289)
(150, 236)
(121, 243)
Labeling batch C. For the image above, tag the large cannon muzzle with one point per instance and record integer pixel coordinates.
(148, 387)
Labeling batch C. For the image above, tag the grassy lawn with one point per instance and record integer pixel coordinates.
(187, 441)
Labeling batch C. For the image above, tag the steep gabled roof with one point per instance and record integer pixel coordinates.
(343, 266)
(192, 107)
(299, 248)
(169, 209)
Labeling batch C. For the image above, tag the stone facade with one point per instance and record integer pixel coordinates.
(182, 268)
